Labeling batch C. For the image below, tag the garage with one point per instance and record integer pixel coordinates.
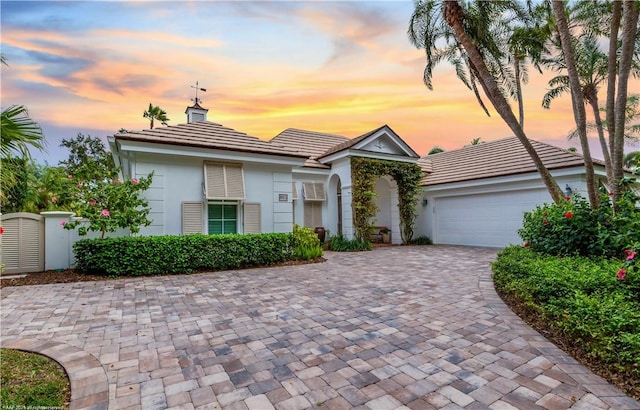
(489, 219)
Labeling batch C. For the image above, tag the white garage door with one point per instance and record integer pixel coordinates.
(484, 219)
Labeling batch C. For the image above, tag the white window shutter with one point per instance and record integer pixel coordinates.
(251, 217)
(192, 217)
(234, 179)
(313, 191)
(224, 181)
(214, 181)
(320, 195)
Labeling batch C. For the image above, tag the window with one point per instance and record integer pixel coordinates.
(223, 218)
(223, 181)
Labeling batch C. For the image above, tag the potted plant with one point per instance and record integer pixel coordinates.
(386, 234)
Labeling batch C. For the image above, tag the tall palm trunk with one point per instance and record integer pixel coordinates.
(577, 101)
(592, 97)
(629, 30)
(611, 79)
(454, 17)
(516, 63)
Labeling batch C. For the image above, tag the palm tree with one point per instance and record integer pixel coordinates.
(18, 132)
(155, 113)
(577, 98)
(435, 150)
(629, 26)
(469, 26)
(592, 68)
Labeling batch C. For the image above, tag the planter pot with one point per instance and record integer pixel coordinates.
(320, 232)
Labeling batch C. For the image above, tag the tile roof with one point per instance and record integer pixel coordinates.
(312, 144)
(206, 134)
(349, 143)
(492, 159)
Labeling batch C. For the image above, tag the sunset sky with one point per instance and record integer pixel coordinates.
(339, 67)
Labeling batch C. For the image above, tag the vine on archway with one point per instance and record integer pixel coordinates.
(364, 173)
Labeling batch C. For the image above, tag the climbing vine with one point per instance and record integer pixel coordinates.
(364, 173)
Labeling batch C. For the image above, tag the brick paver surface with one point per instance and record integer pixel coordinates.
(398, 327)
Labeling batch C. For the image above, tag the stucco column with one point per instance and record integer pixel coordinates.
(57, 243)
(347, 212)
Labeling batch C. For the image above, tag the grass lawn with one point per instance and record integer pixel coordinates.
(32, 380)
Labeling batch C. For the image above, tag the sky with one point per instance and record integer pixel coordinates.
(340, 67)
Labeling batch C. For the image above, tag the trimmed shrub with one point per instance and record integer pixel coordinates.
(339, 243)
(580, 298)
(153, 255)
(306, 244)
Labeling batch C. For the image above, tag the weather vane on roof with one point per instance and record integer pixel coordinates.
(196, 99)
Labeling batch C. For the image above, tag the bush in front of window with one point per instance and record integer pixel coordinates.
(156, 255)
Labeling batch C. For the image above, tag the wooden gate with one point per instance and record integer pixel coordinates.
(22, 243)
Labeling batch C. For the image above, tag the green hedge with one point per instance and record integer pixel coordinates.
(153, 255)
(580, 298)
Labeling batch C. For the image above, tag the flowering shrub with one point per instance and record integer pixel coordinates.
(573, 228)
(109, 205)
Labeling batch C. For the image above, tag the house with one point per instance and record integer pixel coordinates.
(212, 179)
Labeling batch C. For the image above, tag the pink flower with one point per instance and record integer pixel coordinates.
(63, 223)
(568, 215)
(54, 199)
(92, 202)
(70, 176)
(568, 198)
(527, 244)
(630, 255)
(134, 181)
(621, 273)
(105, 212)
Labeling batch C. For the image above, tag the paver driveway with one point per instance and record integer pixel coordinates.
(419, 327)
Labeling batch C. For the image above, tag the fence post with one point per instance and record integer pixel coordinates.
(57, 243)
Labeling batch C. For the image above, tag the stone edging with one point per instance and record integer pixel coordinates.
(89, 385)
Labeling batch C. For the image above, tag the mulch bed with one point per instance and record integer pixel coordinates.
(71, 276)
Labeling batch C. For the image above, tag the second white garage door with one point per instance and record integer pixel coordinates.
(484, 219)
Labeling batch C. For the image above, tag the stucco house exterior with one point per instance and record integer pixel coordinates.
(212, 179)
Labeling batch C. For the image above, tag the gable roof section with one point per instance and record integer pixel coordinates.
(311, 143)
(206, 134)
(353, 143)
(493, 159)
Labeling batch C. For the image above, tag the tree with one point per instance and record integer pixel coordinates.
(577, 98)
(476, 141)
(591, 64)
(628, 47)
(97, 194)
(435, 150)
(155, 113)
(468, 26)
(17, 132)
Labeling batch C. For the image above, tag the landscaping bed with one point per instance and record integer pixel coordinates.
(581, 305)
